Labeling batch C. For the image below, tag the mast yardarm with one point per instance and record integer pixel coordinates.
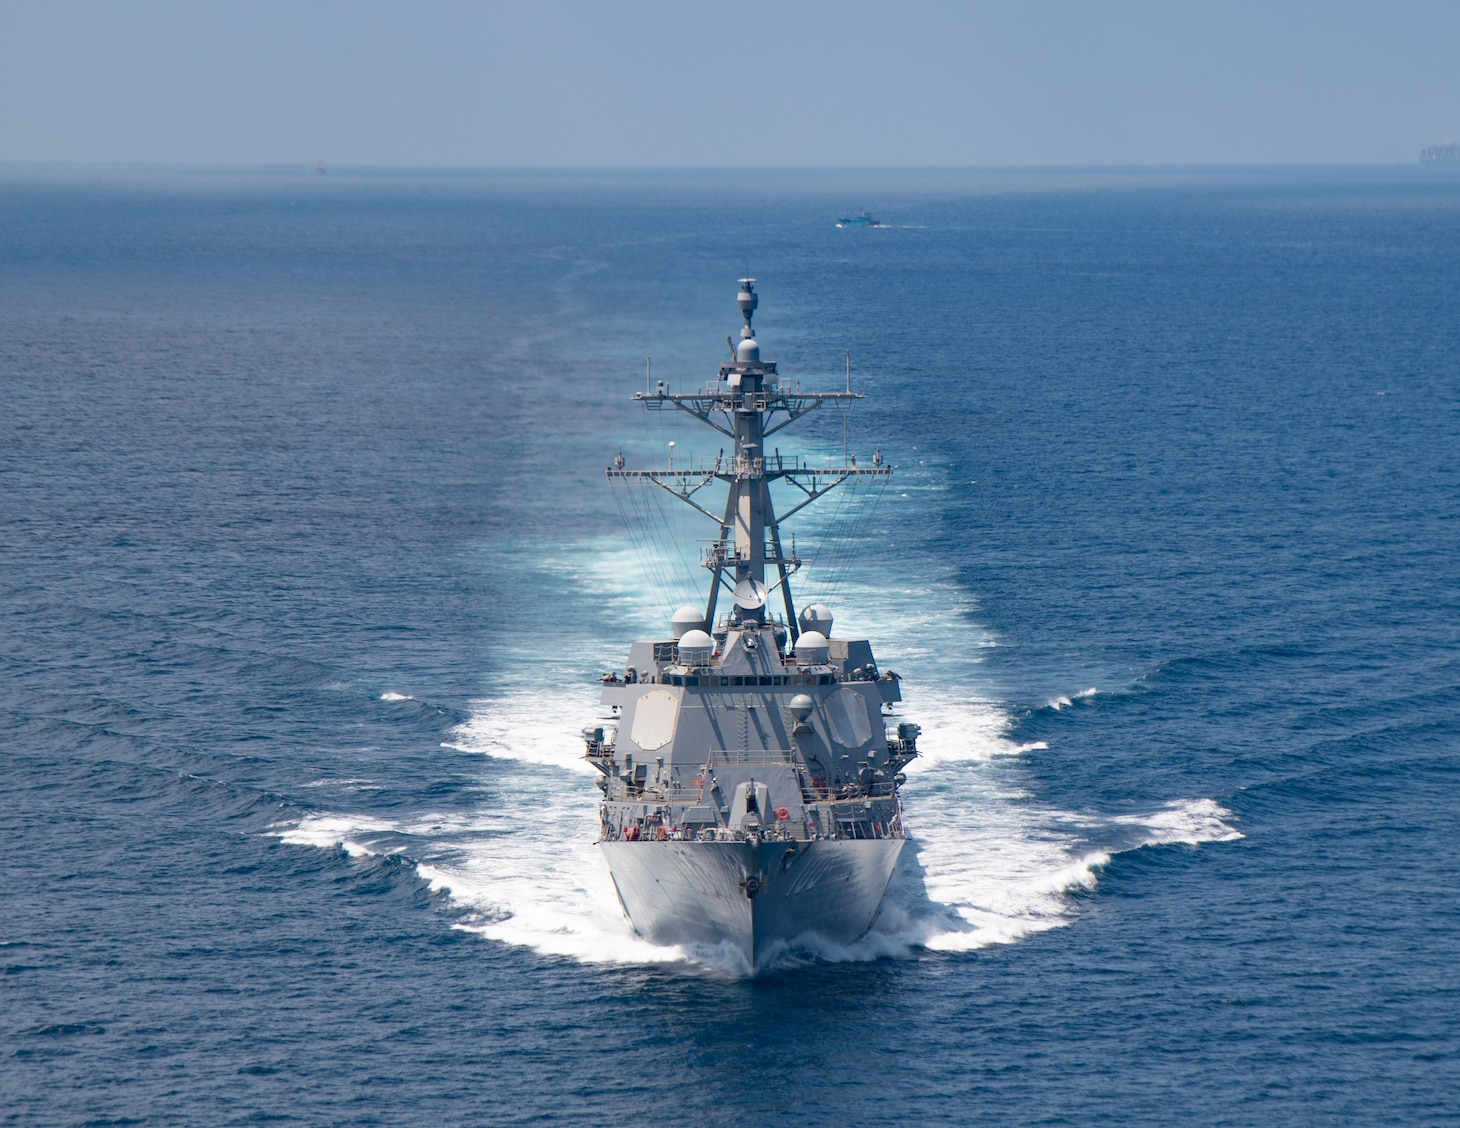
(748, 404)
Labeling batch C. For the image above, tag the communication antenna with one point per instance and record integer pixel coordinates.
(752, 411)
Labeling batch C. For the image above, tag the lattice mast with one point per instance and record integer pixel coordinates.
(748, 405)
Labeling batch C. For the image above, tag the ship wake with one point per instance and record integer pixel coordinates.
(987, 862)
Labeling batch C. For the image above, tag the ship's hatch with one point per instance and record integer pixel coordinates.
(846, 714)
(654, 716)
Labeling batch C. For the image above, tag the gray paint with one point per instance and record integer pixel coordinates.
(729, 818)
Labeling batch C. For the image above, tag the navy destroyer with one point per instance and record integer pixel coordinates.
(750, 760)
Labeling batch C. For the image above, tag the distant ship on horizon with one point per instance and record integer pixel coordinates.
(863, 220)
(1437, 154)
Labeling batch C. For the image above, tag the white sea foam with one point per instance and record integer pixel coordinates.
(529, 875)
(391, 695)
(987, 864)
(1189, 821)
(336, 832)
(1063, 701)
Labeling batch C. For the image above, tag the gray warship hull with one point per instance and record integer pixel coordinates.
(750, 762)
(695, 893)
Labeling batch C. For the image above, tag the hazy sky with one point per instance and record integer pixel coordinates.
(644, 82)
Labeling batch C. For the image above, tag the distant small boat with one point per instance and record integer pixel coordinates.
(319, 169)
(863, 220)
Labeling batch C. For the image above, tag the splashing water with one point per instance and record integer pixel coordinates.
(985, 864)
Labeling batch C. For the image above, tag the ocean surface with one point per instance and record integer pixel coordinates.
(308, 567)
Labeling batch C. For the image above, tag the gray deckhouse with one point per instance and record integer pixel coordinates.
(750, 725)
(750, 763)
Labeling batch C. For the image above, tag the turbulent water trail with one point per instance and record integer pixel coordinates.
(987, 862)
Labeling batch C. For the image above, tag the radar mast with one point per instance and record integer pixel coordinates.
(748, 404)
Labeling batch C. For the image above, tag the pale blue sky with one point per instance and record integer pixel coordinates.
(643, 82)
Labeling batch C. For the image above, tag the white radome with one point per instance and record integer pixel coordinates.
(811, 648)
(687, 619)
(695, 648)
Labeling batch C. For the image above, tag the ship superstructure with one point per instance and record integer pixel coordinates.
(750, 760)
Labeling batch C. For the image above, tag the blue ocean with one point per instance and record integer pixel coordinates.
(309, 568)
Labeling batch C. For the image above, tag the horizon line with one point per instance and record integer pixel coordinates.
(355, 166)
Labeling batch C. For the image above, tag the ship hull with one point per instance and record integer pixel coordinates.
(755, 897)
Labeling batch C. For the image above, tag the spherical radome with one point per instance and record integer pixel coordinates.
(687, 619)
(817, 618)
(811, 648)
(695, 648)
